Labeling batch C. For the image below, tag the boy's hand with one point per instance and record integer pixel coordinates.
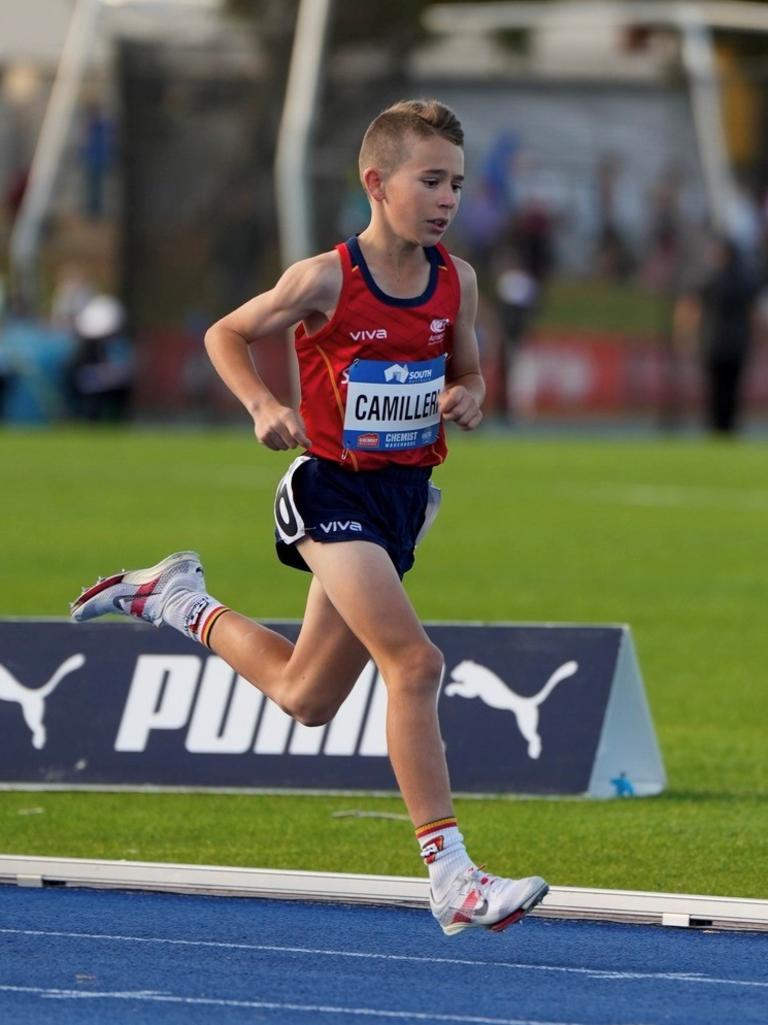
(279, 427)
(457, 403)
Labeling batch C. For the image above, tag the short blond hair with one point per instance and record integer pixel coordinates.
(385, 143)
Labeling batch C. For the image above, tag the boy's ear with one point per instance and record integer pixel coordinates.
(373, 181)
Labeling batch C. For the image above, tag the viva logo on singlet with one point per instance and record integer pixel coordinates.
(393, 405)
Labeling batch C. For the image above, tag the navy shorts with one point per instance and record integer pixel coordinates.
(393, 507)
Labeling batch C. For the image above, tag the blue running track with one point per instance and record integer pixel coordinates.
(76, 957)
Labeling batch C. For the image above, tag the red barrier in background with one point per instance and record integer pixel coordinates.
(573, 373)
(175, 376)
(554, 374)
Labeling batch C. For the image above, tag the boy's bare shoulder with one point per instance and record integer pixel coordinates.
(318, 277)
(465, 270)
(467, 279)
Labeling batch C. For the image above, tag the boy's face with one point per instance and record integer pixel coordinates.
(421, 195)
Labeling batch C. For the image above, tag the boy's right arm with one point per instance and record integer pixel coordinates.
(310, 286)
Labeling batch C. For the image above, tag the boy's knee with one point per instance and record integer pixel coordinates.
(430, 663)
(418, 670)
(309, 712)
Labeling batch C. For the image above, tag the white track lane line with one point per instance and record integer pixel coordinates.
(150, 996)
(594, 973)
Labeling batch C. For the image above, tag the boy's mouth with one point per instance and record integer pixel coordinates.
(440, 223)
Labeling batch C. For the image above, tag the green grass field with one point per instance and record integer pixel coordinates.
(669, 536)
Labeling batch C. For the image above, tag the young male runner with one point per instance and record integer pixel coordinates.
(387, 351)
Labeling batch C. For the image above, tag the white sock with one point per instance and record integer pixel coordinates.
(443, 852)
(193, 613)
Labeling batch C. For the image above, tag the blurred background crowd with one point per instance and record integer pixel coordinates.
(616, 206)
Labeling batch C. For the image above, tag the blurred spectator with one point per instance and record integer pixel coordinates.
(516, 295)
(486, 207)
(613, 257)
(102, 371)
(661, 269)
(482, 219)
(516, 220)
(661, 272)
(531, 235)
(744, 220)
(498, 171)
(71, 294)
(718, 314)
(97, 153)
(34, 361)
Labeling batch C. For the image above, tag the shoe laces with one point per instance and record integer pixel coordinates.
(478, 879)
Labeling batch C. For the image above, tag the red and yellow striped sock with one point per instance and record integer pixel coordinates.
(443, 852)
(194, 614)
(210, 617)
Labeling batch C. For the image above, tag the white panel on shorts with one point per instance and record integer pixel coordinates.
(288, 519)
(430, 515)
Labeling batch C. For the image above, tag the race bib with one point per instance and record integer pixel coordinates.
(393, 405)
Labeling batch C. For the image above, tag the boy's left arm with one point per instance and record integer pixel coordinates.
(464, 390)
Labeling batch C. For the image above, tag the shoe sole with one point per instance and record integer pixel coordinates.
(536, 898)
(137, 577)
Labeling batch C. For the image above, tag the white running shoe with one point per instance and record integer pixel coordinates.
(141, 593)
(476, 899)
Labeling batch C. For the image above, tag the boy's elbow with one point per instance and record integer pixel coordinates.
(221, 340)
(213, 337)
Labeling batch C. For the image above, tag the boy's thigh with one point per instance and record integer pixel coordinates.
(326, 646)
(361, 581)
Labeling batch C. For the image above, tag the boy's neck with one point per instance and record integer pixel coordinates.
(394, 259)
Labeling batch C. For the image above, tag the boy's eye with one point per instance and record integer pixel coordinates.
(457, 186)
(430, 182)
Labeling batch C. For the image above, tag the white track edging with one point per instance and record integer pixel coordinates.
(673, 909)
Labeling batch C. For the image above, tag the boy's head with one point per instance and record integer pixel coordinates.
(388, 139)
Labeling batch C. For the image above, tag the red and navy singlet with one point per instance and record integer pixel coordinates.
(370, 376)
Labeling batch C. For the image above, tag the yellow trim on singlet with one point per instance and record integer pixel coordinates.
(339, 403)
